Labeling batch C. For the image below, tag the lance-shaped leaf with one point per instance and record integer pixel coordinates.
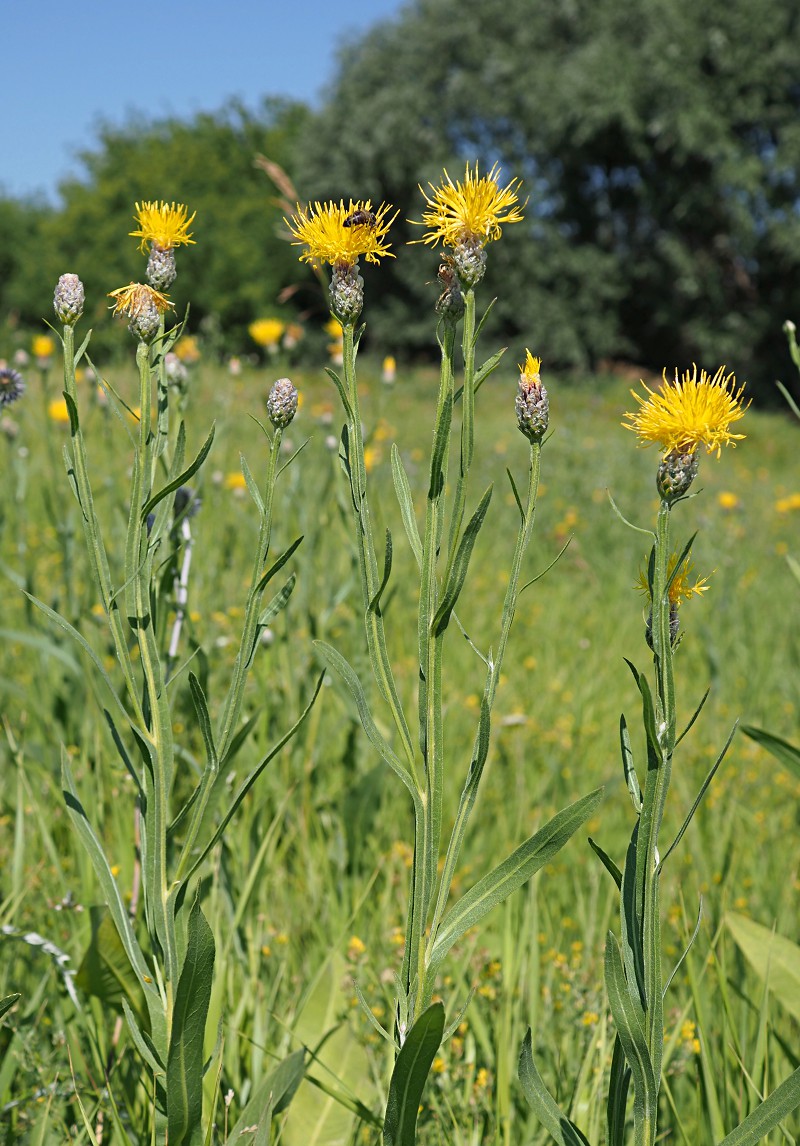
(406, 502)
(181, 478)
(632, 1036)
(409, 1076)
(782, 750)
(783, 1100)
(272, 1095)
(458, 573)
(185, 1061)
(559, 1127)
(511, 874)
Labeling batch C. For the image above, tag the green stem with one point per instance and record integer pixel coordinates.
(481, 745)
(94, 540)
(467, 428)
(244, 657)
(426, 846)
(368, 566)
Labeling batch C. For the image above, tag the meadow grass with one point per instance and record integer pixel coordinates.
(307, 892)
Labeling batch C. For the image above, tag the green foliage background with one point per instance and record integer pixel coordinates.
(658, 140)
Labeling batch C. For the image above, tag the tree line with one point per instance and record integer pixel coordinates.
(658, 142)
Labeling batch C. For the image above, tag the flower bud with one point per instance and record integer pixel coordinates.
(68, 299)
(282, 403)
(469, 260)
(532, 404)
(347, 292)
(161, 269)
(676, 473)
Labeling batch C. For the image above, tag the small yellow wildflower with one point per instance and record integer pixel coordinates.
(590, 1018)
(355, 948)
(728, 500)
(689, 412)
(333, 328)
(680, 589)
(187, 350)
(439, 1066)
(329, 235)
(135, 298)
(165, 225)
(266, 332)
(474, 209)
(389, 369)
(235, 481)
(787, 504)
(57, 410)
(42, 346)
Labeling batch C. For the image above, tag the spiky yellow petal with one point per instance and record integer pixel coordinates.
(689, 412)
(330, 235)
(680, 589)
(474, 209)
(132, 299)
(166, 225)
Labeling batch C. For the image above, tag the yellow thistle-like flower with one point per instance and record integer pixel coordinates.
(680, 589)
(58, 411)
(266, 331)
(338, 235)
(689, 412)
(136, 297)
(474, 209)
(165, 225)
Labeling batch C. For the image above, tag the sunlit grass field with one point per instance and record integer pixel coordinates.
(307, 892)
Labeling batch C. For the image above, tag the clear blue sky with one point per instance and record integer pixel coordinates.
(68, 64)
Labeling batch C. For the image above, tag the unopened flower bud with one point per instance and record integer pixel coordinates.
(676, 473)
(161, 269)
(450, 303)
(469, 261)
(532, 404)
(347, 292)
(68, 299)
(282, 403)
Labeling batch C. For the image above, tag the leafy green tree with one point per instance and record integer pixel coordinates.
(659, 141)
(240, 264)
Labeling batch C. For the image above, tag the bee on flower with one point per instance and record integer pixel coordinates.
(468, 216)
(338, 235)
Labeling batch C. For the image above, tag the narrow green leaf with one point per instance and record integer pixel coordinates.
(334, 377)
(515, 492)
(339, 665)
(375, 603)
(703, 789)
(632, 1036)
(775, 959)
(8, 1001)
(695, 715)
(277, 565)
(563, 1131)
(182, 478)
(458, 573)
(607, 862)
(142, 1041)
(618, 1084)
(511, 874)
(788, 754)
(629, 767)
(278, 602)
(185, 1062)
(783, 1100)
(251, 484)
(406, 502)
(273, 1094)
(489, 366)
(439, 448)
(203, 719)
(410, 1075)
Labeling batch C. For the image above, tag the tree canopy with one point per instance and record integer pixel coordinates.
(659, 141)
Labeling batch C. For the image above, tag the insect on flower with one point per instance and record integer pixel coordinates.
(361, 219)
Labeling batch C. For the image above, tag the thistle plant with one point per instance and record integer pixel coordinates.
(687, 413)
(465, 218)
(165, 958)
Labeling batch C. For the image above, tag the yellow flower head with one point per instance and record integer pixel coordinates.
(57, 410)
(335, 234)
(531, 369)
(165, 225)
(187, 350)
(680, 589)
(689, 412)
(333, 328)
(135, 298)
(42, 346)
(472, 210)
(266, 331)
